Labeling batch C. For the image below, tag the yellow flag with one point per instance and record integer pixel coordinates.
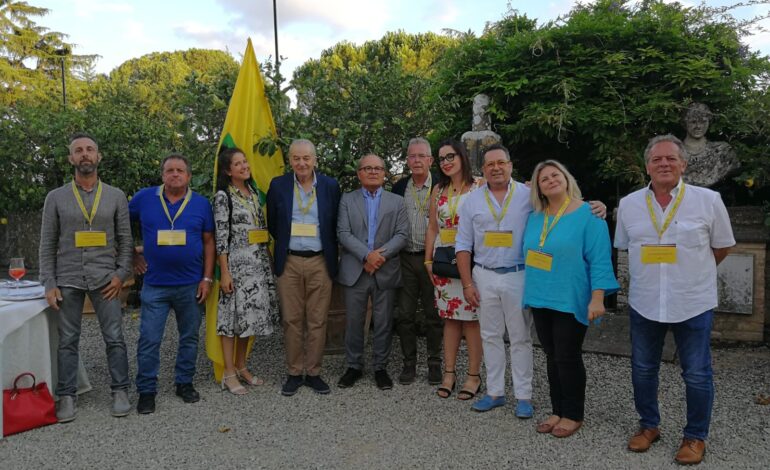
(248, 120)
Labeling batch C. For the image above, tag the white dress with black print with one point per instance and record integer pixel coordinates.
(252, 308)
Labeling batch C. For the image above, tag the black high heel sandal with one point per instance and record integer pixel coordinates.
(466, 395)
(447, 391)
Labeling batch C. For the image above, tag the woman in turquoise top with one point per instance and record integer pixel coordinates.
(568, 273)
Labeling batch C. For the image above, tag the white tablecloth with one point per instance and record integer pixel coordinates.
(28, 341)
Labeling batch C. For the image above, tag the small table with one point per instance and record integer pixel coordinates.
(29, 338)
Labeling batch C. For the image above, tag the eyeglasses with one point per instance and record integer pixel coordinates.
(415, 156)
(450, 157)
(371, 169)
(500, 163)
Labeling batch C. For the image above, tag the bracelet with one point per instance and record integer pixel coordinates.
(208, 279)
(469, 285)
(427, 262)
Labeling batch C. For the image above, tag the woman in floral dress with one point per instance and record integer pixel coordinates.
(460, 319)
(248, 303)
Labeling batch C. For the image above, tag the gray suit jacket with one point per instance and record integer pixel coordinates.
(353, 230)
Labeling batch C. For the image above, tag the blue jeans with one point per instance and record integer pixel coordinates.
(692, 338)
(70, 315)
(156, 303)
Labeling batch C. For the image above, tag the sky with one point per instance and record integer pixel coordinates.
(119, 30)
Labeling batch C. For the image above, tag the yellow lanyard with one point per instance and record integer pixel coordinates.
(546, 228)
(187, 198)
(421, 205)
(310, 201)
(97, 199)
(670, 215)
(252, 207)
(499, 217)
(453, 202)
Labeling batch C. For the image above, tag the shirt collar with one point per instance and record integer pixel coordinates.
(368, 195)
(673, 192)
(427, 184)
(296, 181)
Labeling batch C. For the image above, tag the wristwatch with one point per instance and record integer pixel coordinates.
(209, 280)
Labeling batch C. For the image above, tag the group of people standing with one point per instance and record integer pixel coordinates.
(481, 255)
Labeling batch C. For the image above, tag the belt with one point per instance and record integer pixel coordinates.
(512, 269)
(415, 253)
(305, 253)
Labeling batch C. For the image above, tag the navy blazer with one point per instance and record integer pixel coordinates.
(280, 200)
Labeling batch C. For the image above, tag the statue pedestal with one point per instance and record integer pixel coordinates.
(476, 142)
(742, 279)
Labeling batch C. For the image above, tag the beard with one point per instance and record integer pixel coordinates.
(86, 168)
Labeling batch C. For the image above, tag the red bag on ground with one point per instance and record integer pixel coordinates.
(27, 408)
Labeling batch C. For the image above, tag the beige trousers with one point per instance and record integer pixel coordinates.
(305, 291)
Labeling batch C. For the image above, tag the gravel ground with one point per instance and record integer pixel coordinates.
(407, 427)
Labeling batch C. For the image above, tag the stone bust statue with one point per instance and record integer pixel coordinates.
(709, 162)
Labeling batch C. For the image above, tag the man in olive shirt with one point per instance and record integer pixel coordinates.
(86, 248)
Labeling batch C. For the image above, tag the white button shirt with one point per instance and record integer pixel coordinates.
(673, 293)
(475, 219)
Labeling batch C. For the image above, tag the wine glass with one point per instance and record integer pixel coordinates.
(17, 270)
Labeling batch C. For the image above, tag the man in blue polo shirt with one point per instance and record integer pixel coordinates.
(178, 262)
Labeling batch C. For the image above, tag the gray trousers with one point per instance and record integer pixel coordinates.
(356, 301)
(417, 286)
(110, 317)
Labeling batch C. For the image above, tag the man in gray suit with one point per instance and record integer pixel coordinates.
(372, 227)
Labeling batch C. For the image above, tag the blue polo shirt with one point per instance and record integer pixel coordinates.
(172, 265)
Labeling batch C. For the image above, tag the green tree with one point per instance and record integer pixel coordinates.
(591, 88)
(32, 56)
(369, 98)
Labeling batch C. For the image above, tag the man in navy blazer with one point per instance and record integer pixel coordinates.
(302, 218)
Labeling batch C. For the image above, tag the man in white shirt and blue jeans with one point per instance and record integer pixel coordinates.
(676, 235)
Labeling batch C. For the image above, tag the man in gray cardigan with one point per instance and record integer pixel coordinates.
(86, 248)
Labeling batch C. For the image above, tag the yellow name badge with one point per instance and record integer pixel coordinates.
(498, 238)
(89, 238)
(257, 235)
(172, 238)
(304, 230)
(658, 254)
(539, 260)
(448, 235)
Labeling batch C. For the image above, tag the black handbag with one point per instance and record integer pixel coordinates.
(445, 262)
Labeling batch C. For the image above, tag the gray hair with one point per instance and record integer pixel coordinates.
(665, 138)
(370, 155)
(418, 141)
(302, 142)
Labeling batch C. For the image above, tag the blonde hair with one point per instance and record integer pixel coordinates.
(538, 200)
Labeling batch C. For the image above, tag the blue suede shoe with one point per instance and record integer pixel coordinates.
(524, 409)
(487, 403)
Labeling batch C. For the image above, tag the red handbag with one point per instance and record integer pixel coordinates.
(27, 408)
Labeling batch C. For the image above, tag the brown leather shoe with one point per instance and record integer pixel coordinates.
(643, 439)
(690, 452)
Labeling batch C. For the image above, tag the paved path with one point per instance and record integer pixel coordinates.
(407, 427)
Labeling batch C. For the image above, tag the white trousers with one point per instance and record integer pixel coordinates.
(501, 296)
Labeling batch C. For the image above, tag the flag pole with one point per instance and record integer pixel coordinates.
(277, 63)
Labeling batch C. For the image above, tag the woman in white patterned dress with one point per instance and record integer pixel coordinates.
(248, 303)
(460, 319)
